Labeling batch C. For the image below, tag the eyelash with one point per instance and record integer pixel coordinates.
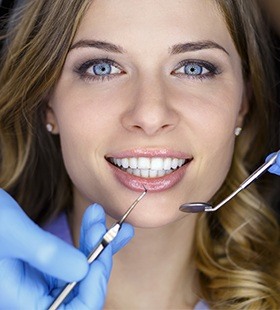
(212, 69)
(81, 70)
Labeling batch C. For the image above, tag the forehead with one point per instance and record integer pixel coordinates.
(145, 22)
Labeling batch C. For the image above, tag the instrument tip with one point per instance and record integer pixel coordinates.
(133, 205)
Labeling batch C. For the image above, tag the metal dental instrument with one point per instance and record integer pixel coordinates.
(196, 207)
(108, 237)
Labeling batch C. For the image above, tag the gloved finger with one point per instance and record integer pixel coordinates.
(91, 233)
(21, 238)
(21, 286)
(125, 234)
(275, 168)
(93, 289)
(93, 228)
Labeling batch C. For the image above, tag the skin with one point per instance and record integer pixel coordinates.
(152, 105)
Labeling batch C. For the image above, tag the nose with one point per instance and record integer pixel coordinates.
(150, 111)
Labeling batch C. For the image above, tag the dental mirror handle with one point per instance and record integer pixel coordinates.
(196, 207)
(260, 170)
(263, 168)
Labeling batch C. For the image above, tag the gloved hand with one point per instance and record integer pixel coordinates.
(275, 168)
(34, 264)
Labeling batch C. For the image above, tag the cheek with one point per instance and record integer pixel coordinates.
(210, 119)
(83, 115)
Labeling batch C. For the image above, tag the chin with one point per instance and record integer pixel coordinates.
(156, 218)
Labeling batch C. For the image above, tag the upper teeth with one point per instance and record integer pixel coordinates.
(154, 163)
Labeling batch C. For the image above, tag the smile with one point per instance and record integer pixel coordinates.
(148, 167)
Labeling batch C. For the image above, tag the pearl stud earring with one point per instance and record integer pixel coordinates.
(237, 131)
(49, 127)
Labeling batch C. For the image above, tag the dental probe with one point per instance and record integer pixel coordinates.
(107, 238)
(196, 207)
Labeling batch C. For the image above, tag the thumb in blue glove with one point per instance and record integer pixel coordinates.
(20, 238)
(92, 290)
(27, 253)
(275, 168)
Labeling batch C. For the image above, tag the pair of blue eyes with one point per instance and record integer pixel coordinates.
(105, 68)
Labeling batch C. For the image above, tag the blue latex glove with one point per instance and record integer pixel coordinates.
(34, 264)
(275, 168)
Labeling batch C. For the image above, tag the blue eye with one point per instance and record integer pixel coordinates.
(98, 69)
(195, 69)
(102, 69)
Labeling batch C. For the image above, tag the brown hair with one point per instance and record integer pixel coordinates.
(38, 41)
(237, 248)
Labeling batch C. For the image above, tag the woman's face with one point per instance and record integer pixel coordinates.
(150, 94)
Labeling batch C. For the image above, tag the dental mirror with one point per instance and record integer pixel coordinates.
(196, 207)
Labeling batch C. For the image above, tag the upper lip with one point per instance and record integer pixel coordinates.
(142, 152)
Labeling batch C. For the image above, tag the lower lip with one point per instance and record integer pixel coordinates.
(151, 184)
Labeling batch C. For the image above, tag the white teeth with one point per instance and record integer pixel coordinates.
(161, 173)
(153, 173)
(167, 163)
(157, 163)
(174, 163)
(144, 173)
(125, 163)
(181, 162)
(136, 172)
(144, 163)
(133, 163)
(148, 167)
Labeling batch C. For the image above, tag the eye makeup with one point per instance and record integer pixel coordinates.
(105, 69)
(98, 69)
(196, 69)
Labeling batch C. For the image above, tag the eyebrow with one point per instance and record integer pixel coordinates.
(195, 46)
(108, 47)
(175, 49)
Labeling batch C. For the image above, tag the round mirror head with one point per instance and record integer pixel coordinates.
(195, 207)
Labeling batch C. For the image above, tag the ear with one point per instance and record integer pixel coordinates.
(51, 120)
(244, 108)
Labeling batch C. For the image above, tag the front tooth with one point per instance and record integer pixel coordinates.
(133, 163)
(154, 173)
(174, 163)
(144, 163)
(167, 164)
(144, 173)
(157, 164)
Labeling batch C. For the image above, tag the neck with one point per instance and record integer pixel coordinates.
(157, 265)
